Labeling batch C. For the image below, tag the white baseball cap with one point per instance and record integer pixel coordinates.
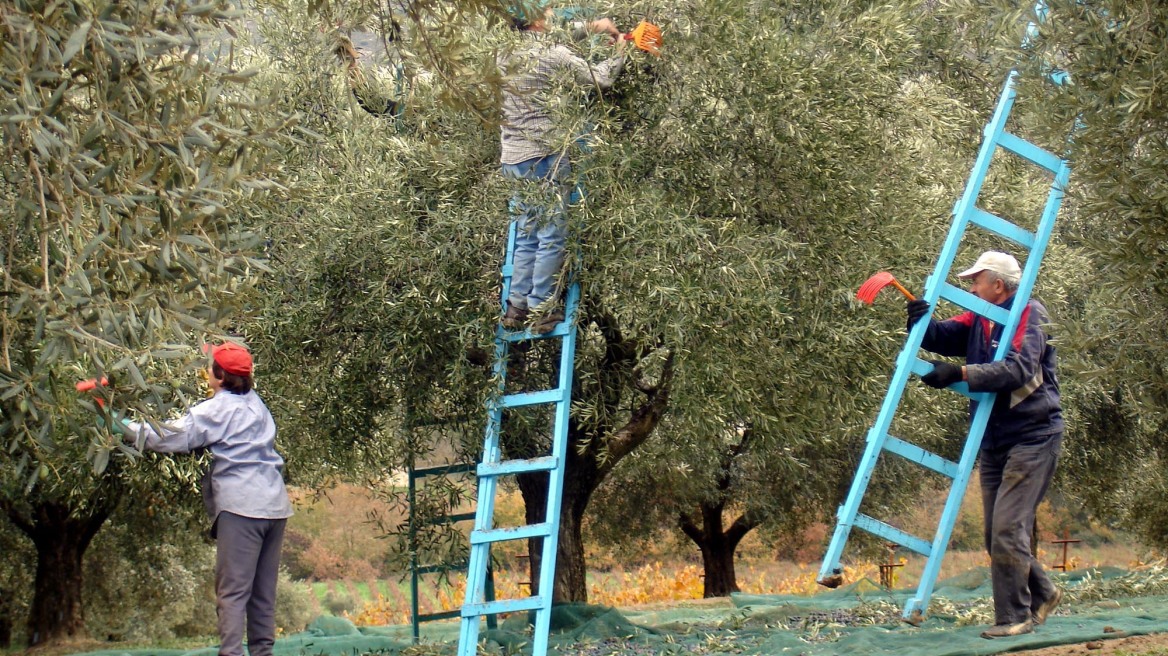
(1000, 263)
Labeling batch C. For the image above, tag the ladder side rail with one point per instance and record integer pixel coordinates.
(550, 544)
(915, 607)
(480, 554)
(963, 210)
(508, 268)
(846, 515)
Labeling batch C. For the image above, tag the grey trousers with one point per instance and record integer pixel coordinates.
(1013, 482)
(247, 563)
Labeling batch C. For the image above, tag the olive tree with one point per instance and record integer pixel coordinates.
(737, 195)
(123, 151)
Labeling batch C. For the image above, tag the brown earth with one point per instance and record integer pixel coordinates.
(1155, 644)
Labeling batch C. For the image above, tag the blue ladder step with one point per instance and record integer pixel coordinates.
(921, 367)
(968, 301)
(532, 398)
(502, 606)
(1002, 227)
(1030, 152)
(487, 536)
(544, 463)
(526, 335)
(923, 458)
(892, 534)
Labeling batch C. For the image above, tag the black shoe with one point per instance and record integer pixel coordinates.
(548, 322)
(515, 318)
(1008, 630)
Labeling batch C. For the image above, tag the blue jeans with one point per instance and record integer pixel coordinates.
(1013, 481)
(539, 208)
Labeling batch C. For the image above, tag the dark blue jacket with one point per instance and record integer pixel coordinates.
(1027, 406)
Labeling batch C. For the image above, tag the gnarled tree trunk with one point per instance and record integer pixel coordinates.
(60, 537)
(592, 456)
(717, 545)
(716, 542)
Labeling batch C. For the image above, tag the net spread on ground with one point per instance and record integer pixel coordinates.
(861, 618)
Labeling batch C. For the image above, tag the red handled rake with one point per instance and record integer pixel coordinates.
(872, 286)
(91, 385)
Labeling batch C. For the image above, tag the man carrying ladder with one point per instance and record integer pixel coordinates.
(1021, 444)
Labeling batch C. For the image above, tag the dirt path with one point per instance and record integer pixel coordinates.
(1151, 645)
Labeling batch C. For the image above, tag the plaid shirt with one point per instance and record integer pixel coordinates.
(531, 71)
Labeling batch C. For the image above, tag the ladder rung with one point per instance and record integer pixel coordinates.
(971, 302)
(544, 463)
(1002, 227)
(450, 519)
(444, 615)
(502, 606)
(525, 335)
(1029, 151)
(532, 398)
(541, 530)
(444, 470)
(918, 455)
(893, 534)
(444, 567)
(921, 367)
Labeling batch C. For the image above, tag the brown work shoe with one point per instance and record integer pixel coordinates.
(543, 325)
(514, 318)
(1047, 607)
(1007, 630)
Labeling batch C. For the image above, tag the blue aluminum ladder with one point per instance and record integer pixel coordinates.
(493, 466)
(965, 213)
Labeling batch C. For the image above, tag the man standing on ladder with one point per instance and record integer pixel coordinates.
(540, 209)
(1021, 444)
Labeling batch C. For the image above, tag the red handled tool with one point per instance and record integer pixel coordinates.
(872, 286)
(92, 384)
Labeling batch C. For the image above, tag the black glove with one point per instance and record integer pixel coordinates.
(942, 375)
(916, 309)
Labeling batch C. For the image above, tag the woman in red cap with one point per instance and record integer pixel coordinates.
(244, 493)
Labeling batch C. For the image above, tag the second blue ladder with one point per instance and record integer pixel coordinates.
(966, 213)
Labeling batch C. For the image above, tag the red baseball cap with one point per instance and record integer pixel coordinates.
(232, 358)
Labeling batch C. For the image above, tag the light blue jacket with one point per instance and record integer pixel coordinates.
(246, 476)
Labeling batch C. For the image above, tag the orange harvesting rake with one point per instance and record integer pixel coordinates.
(872, 286)
(91, 385)
(647, 37)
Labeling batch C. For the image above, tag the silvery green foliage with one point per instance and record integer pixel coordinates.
(1109, 271)
(741, 187)
(127, 147)
(128, 141)
(1113, 53)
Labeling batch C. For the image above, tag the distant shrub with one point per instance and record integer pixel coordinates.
(296, 606)
(164, 592)
(340, 600)
(295, 545)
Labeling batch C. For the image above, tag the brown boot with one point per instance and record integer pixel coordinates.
(548, 322)
(515, 317)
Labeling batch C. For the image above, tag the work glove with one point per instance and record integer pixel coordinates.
(916, 309)
(942, 375)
